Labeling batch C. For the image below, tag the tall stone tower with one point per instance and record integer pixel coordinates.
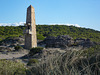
(30, 31)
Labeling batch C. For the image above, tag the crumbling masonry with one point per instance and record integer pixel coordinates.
(30, 31)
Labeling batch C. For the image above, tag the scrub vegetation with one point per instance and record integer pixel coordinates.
(72, 62)
(44, 31)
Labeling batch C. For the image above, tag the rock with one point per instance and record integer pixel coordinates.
(84, 42)
(58, 42)
(65, 41)
(12, 41)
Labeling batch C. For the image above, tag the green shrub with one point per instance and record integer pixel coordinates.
(18, 47)
(0, 39)
(75, 44)
(35, 50)
(32, 61)
(40, 37)
(9, 67)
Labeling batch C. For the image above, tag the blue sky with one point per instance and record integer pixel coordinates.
(85, 13)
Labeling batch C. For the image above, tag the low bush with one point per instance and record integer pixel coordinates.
(75, 44)
(35, 50)
(9, 67)
(40, 37)
(32, 61)
(18, 47)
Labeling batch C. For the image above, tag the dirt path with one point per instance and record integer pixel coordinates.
(11, 55)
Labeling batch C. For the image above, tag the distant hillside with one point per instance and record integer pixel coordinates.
(51, 30)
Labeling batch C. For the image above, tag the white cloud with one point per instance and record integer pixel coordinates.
(12, 24)
(22, 23)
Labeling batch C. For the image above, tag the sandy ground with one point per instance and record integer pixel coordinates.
(12, 55)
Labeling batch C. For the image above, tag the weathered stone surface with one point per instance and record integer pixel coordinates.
(84, 42)
(65, 41)
(11, 41)
(30, 31)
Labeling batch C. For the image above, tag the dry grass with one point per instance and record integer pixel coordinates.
(69, 63)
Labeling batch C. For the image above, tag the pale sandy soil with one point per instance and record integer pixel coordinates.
(12, 55)
(46, 52)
